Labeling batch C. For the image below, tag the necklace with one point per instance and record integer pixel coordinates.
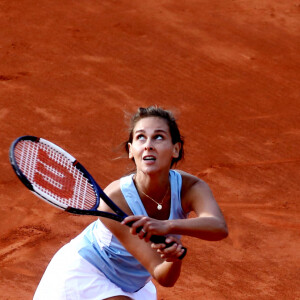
(159, 205)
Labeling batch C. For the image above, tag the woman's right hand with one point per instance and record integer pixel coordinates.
(172, 253)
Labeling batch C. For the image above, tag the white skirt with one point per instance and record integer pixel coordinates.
(70, 277)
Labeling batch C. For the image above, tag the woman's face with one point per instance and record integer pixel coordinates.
(152, 148)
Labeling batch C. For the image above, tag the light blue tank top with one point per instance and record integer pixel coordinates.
(102, 249)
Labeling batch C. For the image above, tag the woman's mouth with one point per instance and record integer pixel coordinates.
(149, 158)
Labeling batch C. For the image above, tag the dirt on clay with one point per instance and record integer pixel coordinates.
(72, 72)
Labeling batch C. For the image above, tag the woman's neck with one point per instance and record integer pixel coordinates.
(152, 185)
(155, 193)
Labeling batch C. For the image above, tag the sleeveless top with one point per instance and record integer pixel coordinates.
(101, 248)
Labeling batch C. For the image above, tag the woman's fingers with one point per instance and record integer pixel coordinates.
(138, 226)
(150, 226)
(171, 253)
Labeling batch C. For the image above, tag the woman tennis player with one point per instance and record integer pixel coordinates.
(108, 260)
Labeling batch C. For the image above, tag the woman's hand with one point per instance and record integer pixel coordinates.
(172, 253)
(144, 227)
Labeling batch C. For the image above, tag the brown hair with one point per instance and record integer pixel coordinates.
(154, 111)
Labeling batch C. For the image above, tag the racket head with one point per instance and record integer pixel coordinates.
(53, 174)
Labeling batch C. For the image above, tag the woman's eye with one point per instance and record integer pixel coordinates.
(140, 137)
(159, 137)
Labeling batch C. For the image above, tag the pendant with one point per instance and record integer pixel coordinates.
(159, 206)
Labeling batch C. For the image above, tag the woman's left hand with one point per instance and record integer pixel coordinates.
(172, 253)
(144, 227)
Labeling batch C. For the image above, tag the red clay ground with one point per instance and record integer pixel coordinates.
(71, 70)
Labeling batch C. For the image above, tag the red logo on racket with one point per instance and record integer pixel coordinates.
(53, 176)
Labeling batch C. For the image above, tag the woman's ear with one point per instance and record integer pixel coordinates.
(129, 151)
(176, 150)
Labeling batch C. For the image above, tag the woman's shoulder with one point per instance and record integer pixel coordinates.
(113, 191)
(189, 181)
(193, 191)
(113, 188)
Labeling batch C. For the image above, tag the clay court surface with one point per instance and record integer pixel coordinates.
(71, 71)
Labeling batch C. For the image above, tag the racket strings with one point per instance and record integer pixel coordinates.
(26, 160)
(54, 174)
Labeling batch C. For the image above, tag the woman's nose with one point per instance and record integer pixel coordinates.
(148, 148)
(148, 145)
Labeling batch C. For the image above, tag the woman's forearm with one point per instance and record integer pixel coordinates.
(206, 228)
(167, 273)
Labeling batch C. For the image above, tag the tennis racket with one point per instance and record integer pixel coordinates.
(58, 178)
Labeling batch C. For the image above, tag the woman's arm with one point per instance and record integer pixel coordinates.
(163, 265)
(209, 223)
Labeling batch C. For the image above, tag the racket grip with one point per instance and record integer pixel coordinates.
(157, 239)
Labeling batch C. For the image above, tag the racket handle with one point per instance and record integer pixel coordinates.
(159, 239)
